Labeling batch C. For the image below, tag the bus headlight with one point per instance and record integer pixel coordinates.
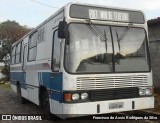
(148, 91)
(141, 91)
(84, 96)
(75, 96)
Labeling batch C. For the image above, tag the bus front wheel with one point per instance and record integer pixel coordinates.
(45, 102)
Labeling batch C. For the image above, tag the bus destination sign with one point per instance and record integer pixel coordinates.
(106, 14)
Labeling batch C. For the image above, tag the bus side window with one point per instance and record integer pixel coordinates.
(56, 52)
(13, 55)
(32, 50)
(18, 52)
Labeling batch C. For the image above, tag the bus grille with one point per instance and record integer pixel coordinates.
(116, 93)
(90, 83)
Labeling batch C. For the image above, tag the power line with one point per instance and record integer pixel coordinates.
(44, 4)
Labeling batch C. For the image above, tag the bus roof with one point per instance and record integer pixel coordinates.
(80, 10)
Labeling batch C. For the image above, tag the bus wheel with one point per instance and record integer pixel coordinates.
(21, 99)
(45, 103)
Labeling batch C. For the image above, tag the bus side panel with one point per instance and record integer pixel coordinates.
(53, 82)
(56, 97)
(33, 94)
(17, 77)
(32, 84)
(56, 108)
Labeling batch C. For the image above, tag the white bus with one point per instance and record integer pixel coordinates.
(84, 60)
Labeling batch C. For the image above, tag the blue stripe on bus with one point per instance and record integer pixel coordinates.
(57, 86)
(56, 96)
(18, 76)
(52, 81)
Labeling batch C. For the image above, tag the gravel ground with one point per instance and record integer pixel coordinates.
(9, 105)
(157, 104)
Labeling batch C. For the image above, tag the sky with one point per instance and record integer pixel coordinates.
(31, 13)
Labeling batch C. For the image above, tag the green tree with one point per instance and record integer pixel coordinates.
(10, 32)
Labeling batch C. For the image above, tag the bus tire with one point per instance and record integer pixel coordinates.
(45, 102)
(21, 99)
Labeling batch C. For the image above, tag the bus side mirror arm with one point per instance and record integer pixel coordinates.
(61, 29)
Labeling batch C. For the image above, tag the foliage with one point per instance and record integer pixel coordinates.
(4, 79)
(5, 86)
(5, 71)
(10, 32)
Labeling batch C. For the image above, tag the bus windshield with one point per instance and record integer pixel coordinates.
(103, 49)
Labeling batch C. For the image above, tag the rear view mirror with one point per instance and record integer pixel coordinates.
(61, 29)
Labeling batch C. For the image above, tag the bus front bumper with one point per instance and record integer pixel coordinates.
(102, 107)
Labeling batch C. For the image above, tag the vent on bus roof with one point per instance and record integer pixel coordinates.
(89, 83)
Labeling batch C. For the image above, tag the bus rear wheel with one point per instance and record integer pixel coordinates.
(21, 99)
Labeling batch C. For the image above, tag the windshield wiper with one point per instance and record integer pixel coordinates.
(122, 36)
(96, 30)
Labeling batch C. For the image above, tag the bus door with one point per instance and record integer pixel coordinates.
(24, 58)
(56, 75)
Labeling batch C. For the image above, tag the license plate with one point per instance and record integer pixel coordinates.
(116, 105)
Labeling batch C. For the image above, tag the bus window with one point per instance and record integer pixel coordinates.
(32, 52)
(13, 55)
(18, 51)
(56, 52)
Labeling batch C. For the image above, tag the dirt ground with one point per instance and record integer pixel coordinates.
(9, 105)
(157, 104)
